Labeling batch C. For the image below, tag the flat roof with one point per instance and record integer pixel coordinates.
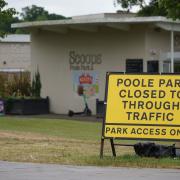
(16, 38)
(99, 19)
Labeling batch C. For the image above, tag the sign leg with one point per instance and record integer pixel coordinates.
(102, 148)
(113, 147)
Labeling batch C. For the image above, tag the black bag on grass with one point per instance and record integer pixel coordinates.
(154, 150)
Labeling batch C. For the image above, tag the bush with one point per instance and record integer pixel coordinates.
(15, 85)
(36, 85)
(19, 86)
(2, 86)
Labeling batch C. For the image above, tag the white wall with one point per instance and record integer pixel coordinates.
(157, 43)
(50, 52)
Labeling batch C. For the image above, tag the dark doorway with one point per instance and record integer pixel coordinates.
(177, 67)
(153, 66)
(134, 66)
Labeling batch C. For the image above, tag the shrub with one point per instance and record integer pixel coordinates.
(20, 86)
(15, 84)
(36, 85)
(2, 86)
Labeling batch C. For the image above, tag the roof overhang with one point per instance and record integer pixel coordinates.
(91, 23)
(169, 26)
(16, 38)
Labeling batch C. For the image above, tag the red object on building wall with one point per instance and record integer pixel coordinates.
(85, 79)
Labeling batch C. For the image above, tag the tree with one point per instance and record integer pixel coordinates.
(36, 13)
(172, 8)
(55, 16)
(6, 15)
(128, 4)
(168, 8)
(153, 9)
(6, 26)
(31, 13)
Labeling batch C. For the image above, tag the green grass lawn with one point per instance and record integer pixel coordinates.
(65, 142)
(53, 127)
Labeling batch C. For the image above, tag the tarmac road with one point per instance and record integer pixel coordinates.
(28, 171)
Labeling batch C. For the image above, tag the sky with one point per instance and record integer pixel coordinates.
(67, 7)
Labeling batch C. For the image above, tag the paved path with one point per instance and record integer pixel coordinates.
(25, 171)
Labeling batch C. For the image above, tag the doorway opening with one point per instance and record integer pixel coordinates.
(153, 66)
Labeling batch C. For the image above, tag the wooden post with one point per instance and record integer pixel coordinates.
(113, 147)
(102, 148)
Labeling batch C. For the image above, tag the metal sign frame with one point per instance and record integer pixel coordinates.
(119, 138)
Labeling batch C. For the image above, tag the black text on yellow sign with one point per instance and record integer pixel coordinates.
(143, 100)
(142, 132)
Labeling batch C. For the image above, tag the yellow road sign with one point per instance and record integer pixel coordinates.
(142, 106)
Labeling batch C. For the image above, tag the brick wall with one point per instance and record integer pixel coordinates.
(15, 56)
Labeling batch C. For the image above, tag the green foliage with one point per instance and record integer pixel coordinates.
(15, 85)
(168, 8)
(36, 13)
(172, 8)
(6, 25)
(2, 86)
(20, 31)
(33, 89)
(153, 9)
(55, 17)
(128, 4)
(6, 17)
(36, 85)
(19, 86)
(31, 13)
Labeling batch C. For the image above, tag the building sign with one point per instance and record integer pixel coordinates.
(143, 107)
(84, 62)
(87, 83)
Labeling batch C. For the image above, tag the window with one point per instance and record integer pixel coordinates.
(134, 65)
(153, 66)
(167, 66)
(177, 66)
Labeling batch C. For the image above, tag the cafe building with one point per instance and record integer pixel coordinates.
(75, 53)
